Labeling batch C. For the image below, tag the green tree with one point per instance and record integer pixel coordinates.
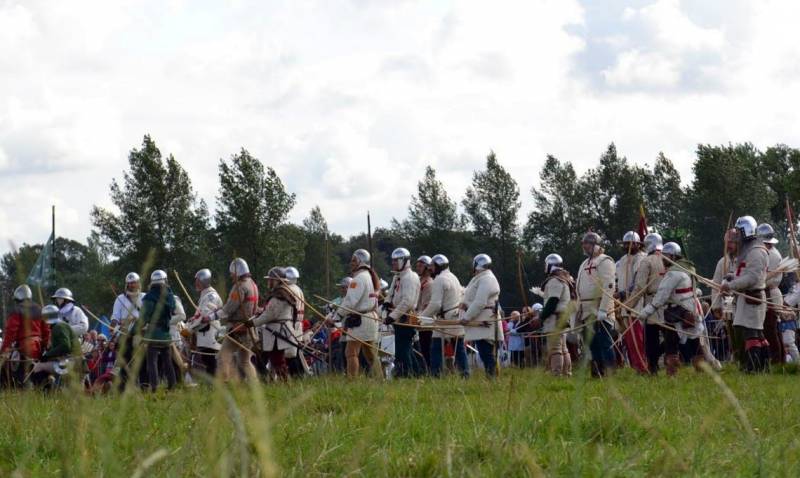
(664, 197)
(320, 257)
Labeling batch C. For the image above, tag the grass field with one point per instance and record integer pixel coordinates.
(523, 424)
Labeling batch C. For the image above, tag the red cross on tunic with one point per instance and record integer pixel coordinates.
(590, 268)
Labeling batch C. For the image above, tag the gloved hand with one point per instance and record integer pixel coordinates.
(647, 311)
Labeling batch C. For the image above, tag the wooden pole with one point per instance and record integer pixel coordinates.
(369, 239)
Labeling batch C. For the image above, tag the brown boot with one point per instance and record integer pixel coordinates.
(696, 361)
(672, 363)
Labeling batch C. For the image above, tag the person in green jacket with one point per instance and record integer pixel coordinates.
(158, 306)
(64, 345)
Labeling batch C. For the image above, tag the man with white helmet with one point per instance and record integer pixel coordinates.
(73, 315)
(750, 281)
(25, 329)
(559, 292)
(400, 303)
(358, 311)
(206, 333)
(127, 305)
(158, 309)
(677, 300)
(277, 320)
(235, 314)
(481, 316)
(64, 347)
(595, 288)
(648, 278)
(424, 268)
(446, 294)
(627, 269)
(766, 234)
(292, 354)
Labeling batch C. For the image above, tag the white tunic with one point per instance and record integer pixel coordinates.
(480, 300)
(276, 318)
(404, 293)
(207, 333)
(446, 294)
(361, 297)
(77, 320)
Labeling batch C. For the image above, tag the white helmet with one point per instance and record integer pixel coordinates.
(384, 285)
(746, 226)
(278, 273)
(766, 233)
(425, 260)
(204, 276)
(292, 275)
(631, 236)
(238, 267)
(481, 262)
(158, 277)
(441, 261)
(362, 257)
(672, 249)
(400, 255)
(537, 307)
(22, 293)
(653, 242)
(553, 262)
(132, 277)
(63, 293)
(50, 314)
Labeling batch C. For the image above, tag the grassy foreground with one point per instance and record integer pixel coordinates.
(523, 424)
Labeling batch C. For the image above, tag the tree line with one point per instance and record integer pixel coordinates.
(160, 222)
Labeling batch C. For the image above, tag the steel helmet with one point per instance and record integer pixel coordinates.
(766, 233)
(746, 226)
(537, 307)
(204, 276)
(384, 285)
(158, 277)
(50, 313)
(276, 273)
(63, 293)
(425, 260)
(592, 237)
(238, 267)
(653, 242)
(441, 261)
(362, 257)
(132, 277)
(400, 255)
(22, 293)
(672, 249)
(292, 275)
(552, 263)
(481, 262)
(631, 236)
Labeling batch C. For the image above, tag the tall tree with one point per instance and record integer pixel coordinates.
(664, 197)
(320, 257)
(252, 210)
(159, 214)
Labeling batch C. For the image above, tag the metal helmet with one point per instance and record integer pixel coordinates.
(132, 277)
(537, 307)
(592, 237)
(158, 277)
(345, 282)
(672, 249)
(276, 273)
(238, 267)
(292, 275)
(441, 261)
(384, 285)
(631, 236)
(22, 293)
(204, 276)
(402, 255)
(425, 260)
(63, 293)
(653, 242)
(362, 257)
(481, 262)
(50, 312)
(552, 262)
(746, 226)
(766, 233)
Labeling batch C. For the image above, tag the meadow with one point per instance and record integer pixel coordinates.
(524, 423)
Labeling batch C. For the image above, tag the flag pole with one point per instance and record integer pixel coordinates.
(369, 239)
(53, 251)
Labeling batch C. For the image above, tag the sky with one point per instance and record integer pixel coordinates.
(350, 100)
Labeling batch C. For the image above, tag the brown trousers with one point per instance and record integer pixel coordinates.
(230, 352)
(352, 351)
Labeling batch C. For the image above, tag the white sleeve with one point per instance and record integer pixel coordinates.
(479, 304)
(119, 312)
(351, 299)
(179, 314)
(437, 294)
(79, 322)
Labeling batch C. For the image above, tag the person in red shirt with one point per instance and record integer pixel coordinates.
(25, 330)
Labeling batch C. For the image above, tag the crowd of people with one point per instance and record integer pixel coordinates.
(645, 310)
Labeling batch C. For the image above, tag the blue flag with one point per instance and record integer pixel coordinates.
(42, 275)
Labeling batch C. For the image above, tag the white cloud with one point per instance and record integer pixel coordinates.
(649, 69)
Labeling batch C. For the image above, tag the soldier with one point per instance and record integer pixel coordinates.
(358, 310)
(627, 268)
(424, 267)
(749, 281)
(648, 278)
(25, 329)
(677, 301)
(293, 359)
(789, 325)
(158, 308)
(235, 315)
(400, 303)
(73, 315)
(766, 234)
(559, 291)
(127, 305)
(480, 312)
(64, 346)
(595, 288)
(722, 304)
(277, 319)
(446, 292)
(206, 333)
